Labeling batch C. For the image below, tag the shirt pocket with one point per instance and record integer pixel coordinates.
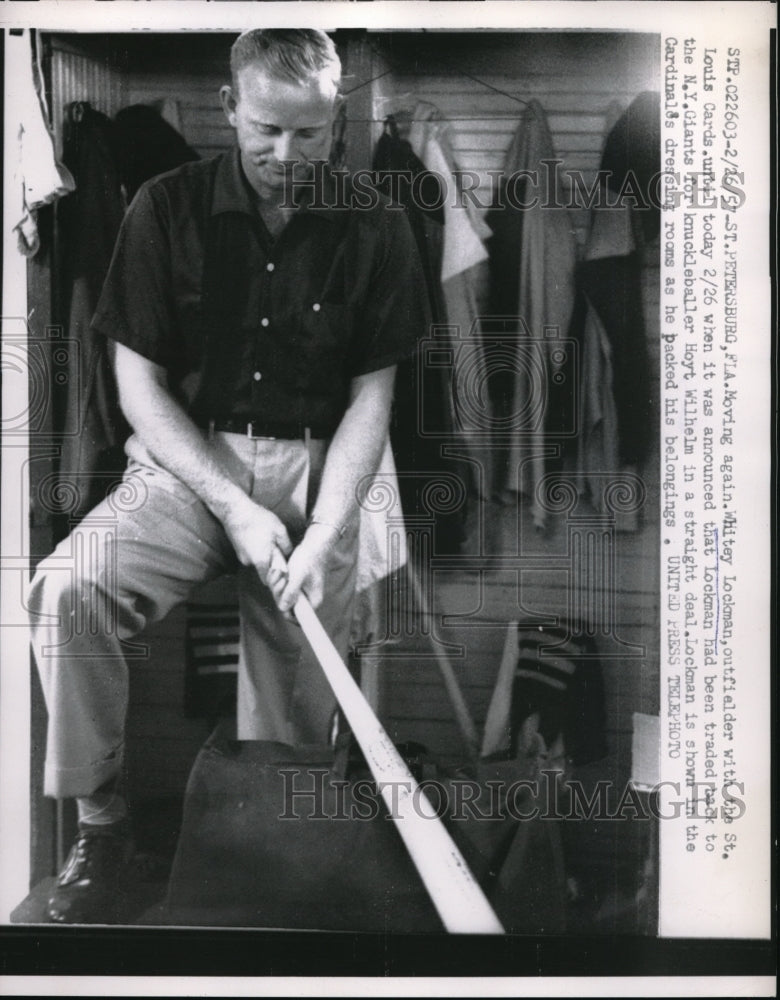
(323, 337)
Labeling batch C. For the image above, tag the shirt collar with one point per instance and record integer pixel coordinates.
(233, 194)
(231, 191)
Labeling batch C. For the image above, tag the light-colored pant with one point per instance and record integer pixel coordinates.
(138, 554)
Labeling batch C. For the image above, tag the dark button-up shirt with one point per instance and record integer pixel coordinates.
(255, 327)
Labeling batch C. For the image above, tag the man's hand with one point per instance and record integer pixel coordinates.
(260, 540)
(307, 567)
(354, 453)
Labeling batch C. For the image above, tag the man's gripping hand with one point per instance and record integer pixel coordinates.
(260, 540)
(308, 567)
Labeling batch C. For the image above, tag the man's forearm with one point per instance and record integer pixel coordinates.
(172, 438)
(257, 535)
(355, 450)
(354, 453)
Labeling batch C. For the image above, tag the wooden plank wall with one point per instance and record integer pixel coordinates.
(193, 80)
(582, 83)
(80, 72)
(196, 91)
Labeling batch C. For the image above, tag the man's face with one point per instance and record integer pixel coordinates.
(278, 121)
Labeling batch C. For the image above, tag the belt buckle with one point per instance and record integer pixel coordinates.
(257, 437)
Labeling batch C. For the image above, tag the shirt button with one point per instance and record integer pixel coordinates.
(257, 376)
(264, 321)
(270, 266)
(316, 307)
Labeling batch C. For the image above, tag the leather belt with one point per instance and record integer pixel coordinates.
(264, 429)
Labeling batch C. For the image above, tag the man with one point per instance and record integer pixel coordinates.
(256, 318)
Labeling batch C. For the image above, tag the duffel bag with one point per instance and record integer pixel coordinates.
(298, 837)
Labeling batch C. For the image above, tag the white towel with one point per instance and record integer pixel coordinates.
(462, 246)
(39, 177)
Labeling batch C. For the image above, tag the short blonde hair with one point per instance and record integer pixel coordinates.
(294, 54)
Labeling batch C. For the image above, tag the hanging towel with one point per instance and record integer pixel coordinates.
(556, 674)
(39, 178)
(429, 125)
(463, 244)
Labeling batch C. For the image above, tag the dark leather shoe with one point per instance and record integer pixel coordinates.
(92, 884)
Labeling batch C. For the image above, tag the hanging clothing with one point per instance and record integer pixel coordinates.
(147, 145)
(423, 199)
(463, 276)
(170, 111)
(554, 672)
(533, 256)
(89, 221)
(422, 392)
(632, 158)
(464, 233)
(613, 288)
(39, 178)
(618, 409)
(597, 443)
(106, 158)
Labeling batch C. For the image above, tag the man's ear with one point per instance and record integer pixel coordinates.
(228, 101)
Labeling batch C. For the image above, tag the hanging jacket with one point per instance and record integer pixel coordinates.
(618, 414)
(633, 147)
(104, 156)
(463, 277)
(147, 145)
(89, 221)
(422, 392)
(533, 259)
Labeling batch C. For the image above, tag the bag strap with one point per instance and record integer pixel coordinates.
(342, 750)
